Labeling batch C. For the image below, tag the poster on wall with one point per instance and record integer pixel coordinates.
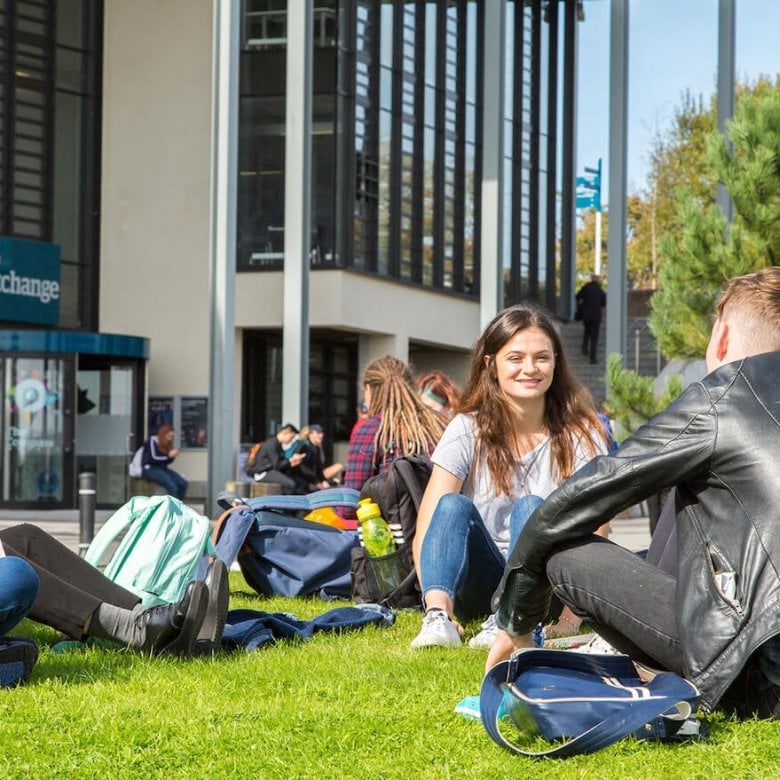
(161, 412)
(194, 412)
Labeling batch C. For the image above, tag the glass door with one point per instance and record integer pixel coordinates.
(36, 425)
(106, 424)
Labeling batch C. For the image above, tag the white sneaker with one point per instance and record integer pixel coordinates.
(487, 635)
(598, 646)
(437, 631)
(489, 632)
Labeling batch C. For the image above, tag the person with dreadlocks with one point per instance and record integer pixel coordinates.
(524, 425)
(398, 423)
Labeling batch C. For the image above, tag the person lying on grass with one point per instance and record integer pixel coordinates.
(75, 598)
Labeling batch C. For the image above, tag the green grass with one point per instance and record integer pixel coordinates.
(357, 705)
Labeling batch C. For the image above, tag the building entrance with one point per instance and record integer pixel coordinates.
(71, 402)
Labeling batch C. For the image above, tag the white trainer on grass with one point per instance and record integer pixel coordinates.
(437, 631)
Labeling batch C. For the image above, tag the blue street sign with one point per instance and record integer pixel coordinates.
(590, 201)
(589, 189)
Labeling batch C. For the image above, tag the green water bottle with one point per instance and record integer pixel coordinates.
(377, 537)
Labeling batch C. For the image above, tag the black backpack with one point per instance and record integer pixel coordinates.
(391, 579)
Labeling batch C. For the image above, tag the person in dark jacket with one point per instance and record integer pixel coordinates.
(591, 300)
(271, 465)
(717, 621)
(312, 470)
(158, 454)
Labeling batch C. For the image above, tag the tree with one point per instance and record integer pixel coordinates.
(699, 251)
(677, 163)
(704, 252)
(632, 400)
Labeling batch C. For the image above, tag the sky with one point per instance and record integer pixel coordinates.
(672, 48)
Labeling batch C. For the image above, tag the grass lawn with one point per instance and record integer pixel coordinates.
(359, 705)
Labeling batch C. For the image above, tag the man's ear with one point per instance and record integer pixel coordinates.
(722, 341)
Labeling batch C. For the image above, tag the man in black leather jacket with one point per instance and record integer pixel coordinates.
(718, 622)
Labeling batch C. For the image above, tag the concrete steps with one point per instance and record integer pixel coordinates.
(591, 376)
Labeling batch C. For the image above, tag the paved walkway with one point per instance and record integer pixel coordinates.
(631, 532)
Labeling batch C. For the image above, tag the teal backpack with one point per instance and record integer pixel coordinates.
(161, 552)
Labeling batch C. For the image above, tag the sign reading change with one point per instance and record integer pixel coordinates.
(29, 281)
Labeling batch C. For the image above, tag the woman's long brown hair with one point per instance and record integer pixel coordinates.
(568, 405)
(164, 447)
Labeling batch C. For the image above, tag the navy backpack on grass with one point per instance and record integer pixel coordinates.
(281, 553)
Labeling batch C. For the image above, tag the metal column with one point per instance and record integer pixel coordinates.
(618, 177)
(726, 58)
(297, 213)
(224, 176)
(491, 298)
(569, 164)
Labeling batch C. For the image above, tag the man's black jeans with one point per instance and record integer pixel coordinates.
(621, 595)
(590, 338)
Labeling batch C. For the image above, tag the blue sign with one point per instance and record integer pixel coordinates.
(591, 200)
(29, 281)
(589, 189)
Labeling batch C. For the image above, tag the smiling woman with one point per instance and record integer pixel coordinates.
(525, 424)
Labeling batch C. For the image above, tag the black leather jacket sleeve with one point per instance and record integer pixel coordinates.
(673, 446)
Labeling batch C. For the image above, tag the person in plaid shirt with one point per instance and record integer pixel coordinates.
(398, 422)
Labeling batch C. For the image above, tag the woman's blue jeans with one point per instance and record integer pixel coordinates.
(173, 482)
(18, 589)
(459, 557)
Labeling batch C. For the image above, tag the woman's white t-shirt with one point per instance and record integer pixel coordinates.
(533, 476)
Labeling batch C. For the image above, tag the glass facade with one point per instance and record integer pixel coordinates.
(332, 371)
(396, 141)
(50, 57)
(395, 144)
(397, 155)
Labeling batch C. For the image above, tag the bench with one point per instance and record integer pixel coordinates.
(247, 489)
(196, 491)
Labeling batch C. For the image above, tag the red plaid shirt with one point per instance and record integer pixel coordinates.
(362, 459)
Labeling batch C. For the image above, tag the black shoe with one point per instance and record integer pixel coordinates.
(210, 635)
(172, 628)
(17, 658)
(593, 362)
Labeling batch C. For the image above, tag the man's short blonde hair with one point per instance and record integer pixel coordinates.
(752, 304)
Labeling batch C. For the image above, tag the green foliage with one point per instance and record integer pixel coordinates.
(352, 705)
(751, 170)
(677, 164)
(698, 265)
(632, 401)
(699, 257)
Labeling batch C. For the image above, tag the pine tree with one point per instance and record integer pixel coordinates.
(703, 252)
(698, 259)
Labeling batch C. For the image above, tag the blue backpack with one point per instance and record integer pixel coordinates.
(281, 553)
(164, 547)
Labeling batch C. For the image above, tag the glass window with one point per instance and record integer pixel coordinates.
(33, 429)
(50, 123)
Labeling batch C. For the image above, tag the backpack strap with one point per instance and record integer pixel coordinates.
(114, 526)
(406, 470)
(337, 496)
(668, 691)
(230, 532)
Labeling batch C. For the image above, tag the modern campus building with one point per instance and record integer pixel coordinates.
(107, 171)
